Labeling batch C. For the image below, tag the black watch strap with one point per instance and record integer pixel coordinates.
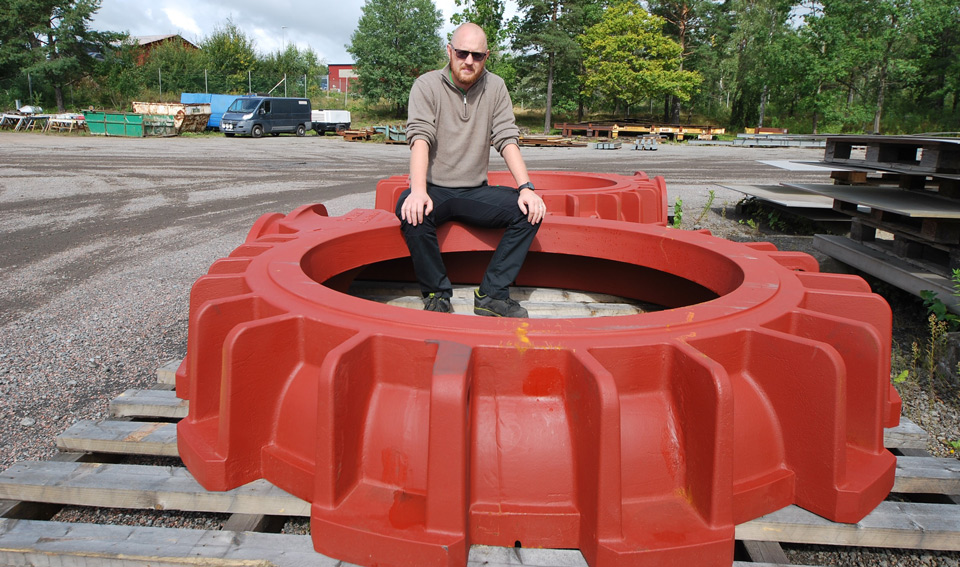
(526, 185)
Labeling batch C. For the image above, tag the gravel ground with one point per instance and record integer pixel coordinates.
(103, 238)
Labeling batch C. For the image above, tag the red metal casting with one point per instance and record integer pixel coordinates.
(573, 194)
(642, 440)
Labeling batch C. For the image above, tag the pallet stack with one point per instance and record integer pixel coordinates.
(902, 194)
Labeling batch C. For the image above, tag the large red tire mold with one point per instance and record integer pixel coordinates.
(640, 440)
(635, 198)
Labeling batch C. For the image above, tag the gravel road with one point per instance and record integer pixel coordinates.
(102, 239)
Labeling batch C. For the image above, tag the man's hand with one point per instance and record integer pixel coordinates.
(531, 205)
(416, 206)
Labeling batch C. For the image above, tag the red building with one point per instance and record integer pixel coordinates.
(148, 43)
(341, 78)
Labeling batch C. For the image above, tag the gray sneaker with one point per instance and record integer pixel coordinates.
(490, 307)
(434, 302)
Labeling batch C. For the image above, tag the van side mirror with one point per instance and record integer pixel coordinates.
(262, 111)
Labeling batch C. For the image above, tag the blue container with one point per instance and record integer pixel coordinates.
(218, 105)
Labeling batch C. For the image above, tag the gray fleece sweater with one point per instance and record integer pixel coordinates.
(459, 127)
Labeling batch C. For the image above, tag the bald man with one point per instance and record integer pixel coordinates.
(454, 116)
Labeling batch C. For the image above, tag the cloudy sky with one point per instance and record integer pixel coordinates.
(323, 25)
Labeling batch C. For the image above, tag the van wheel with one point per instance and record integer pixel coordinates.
(256, 131)
(301, 131)
(340, 129)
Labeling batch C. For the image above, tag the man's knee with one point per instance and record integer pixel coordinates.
(399, 206)
(522, 223)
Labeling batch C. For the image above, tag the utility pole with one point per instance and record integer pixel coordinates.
(283, 59)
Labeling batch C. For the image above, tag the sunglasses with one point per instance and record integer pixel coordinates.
(478, 56)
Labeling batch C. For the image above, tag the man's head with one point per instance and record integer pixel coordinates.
(468, 53)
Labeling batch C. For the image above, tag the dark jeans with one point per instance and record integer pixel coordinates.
(485, 206)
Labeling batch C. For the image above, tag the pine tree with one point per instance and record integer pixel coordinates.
(50, 41)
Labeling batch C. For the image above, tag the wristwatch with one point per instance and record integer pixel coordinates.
(526, 185)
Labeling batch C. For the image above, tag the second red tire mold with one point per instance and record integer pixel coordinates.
(635, 198)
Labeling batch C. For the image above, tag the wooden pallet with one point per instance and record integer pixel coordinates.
(550, 142)
(925, 226)
(85, 475)
(907, 154)
(879, 260)
(356, 135)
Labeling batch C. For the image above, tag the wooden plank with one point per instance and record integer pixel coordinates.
(937, 236)
(907, 435)
(125, 437)
(86, 545)
(140, 487)
(765, 552)
(246, 523)
(927, 475)
(914, 474)
(149, 403)
(520, 293)
(34, 510)
(900, 201)
(904, 525)
(537, 310)
(542, 303)
(167, 374)
(889, 268)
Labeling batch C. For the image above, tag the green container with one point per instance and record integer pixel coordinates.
(129, 125)
(159, 125)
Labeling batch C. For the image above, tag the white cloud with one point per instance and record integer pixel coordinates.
(182, 21)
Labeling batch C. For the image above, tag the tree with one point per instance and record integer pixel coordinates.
(18, 19)
(60, 48)
(394, 43)
(546, 35)
(713, 56)
(684, 22)
(119, 79)
(229, 53)
(488, 14)
(174, 67)
(292, 64)
(759, 26)
(629, 59)
(935, 31)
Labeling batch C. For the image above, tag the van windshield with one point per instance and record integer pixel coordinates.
(244, 105)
